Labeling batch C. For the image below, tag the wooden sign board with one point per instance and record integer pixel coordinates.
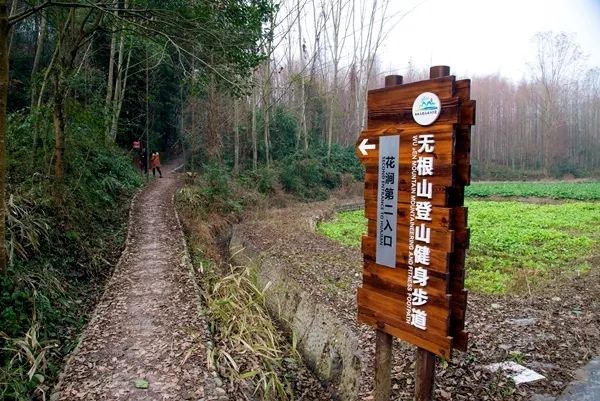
(416, 156)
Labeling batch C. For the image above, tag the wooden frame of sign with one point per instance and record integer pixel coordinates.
(414, 250)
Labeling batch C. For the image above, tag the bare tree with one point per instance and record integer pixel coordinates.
(337, 40)
(557, 65)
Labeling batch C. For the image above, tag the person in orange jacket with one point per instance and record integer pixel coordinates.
(155, 163)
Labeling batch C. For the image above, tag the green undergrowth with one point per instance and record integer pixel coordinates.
(305, 176)
(62, 240)
(250, 351)
(312, 176)
(345, 227)
(514, 245)
(576, 190)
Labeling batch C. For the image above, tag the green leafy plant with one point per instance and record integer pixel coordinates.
(581, 190)
(26, 369)
(513, 245)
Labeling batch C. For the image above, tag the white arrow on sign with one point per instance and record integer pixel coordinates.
(363, 147)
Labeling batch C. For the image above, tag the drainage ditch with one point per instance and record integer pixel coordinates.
(261, 355)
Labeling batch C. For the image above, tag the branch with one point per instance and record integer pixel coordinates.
(21, 16)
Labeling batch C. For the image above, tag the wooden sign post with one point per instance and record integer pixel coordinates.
(416, 152)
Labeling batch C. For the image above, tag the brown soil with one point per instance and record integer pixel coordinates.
(146, 326)
(553, 331)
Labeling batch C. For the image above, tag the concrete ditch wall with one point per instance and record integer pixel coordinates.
(328, 347)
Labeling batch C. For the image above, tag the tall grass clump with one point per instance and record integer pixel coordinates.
(251, 352)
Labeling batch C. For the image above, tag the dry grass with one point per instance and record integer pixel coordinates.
(29, 360)
(250, 352)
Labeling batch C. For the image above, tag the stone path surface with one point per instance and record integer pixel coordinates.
(146, 330)
(586, 387)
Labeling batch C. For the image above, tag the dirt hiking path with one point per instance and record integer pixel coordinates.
(146, 329)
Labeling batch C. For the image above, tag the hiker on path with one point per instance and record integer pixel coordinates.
(155, 161)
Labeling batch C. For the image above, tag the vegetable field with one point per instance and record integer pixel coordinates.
(584, 190)
(515, 245)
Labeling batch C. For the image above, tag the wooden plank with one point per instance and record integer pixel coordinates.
(439, 197)
(424, 375)
(439, 345)
(392, 282)
(461, 340)
(442, 156)
(467, 112)
(438, 319)
(461, 238)
(457, 282)
(459, 217)
(383, 365)
(462, 173)
(451, 112)
(442, 175)
(463, 142)
(443, 87)
(440, 216)
(439, 259)
(443, 134)
(406, 132)
(455, 196)
(463, 89)
(459, 303)
(442, 239)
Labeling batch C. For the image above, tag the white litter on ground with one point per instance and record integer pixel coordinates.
(520, 374)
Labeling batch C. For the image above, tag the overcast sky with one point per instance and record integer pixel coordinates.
(478, 37)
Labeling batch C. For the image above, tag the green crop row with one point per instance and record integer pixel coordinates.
(584, 190)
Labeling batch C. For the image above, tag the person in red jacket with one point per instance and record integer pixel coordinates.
(155, 163)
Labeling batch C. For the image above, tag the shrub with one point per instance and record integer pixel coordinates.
(262, 180)
(59, 248)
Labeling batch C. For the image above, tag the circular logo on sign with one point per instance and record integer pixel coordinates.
(426, 108)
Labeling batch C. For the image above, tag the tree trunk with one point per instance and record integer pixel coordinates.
(267, 110)
(303, 130)
(13, 10)
(147, 126)
(65, 58)
(236, 136)
(3, 100)
(254, 133)
(41, 38)
(119, 94)
(332, 110)
(40, 96)
(182, 127)
(110, 83)
(213, 142)
(58, 118)
(114, 96)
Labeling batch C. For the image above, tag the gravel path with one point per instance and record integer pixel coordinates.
(146, 330)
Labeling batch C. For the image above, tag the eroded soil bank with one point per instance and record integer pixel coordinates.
(553, 331)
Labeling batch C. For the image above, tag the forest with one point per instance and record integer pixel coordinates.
(271, 94)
